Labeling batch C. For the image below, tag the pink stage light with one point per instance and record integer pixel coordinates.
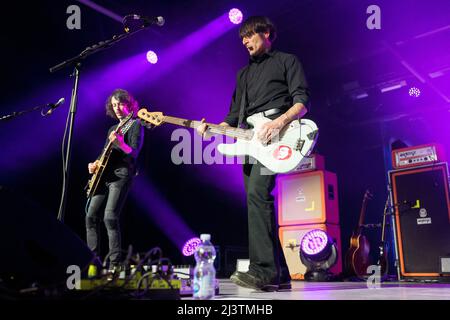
(414, 92)
(235, 16)
(152, 57)
(314, 242)
(190, 246)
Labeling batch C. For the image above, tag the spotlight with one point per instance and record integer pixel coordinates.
(318, 253)
(152, 57)
(235, 16)
(414, 92)
(190, 246)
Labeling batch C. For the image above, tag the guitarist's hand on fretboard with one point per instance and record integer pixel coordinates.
(203, 129)
(92, 167)
(118, 140)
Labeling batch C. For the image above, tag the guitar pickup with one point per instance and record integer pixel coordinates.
(299, 145)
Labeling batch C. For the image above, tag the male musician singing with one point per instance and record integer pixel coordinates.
(274, 84)
(117, 175)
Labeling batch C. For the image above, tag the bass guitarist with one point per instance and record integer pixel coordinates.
(118, 171)
(272, 84)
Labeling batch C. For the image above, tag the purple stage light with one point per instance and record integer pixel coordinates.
(314, 242)
(152, 57)
(190, 246)
(235, 16)
(414, 92)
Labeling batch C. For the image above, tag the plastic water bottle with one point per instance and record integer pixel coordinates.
(204, 271)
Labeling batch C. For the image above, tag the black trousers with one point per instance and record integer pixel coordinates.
(115, 192)
(267, 260)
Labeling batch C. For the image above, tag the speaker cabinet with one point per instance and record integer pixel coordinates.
(290, 238)
(422, 219)
(307, 198)
(35, 247)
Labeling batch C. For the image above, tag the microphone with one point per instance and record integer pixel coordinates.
(53, 106)
(159, 21)
(131, 19)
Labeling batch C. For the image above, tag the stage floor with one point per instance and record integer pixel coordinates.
(302, 290)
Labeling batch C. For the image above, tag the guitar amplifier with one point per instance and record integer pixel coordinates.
(417, 156)
(290, 238)
(422, 220)
(307, 198)
(310, 163)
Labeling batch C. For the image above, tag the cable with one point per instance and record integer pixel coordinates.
(88, 202)
(310, 153)
(141, 262)
(64, 187)
(100, 288)
(105, 260)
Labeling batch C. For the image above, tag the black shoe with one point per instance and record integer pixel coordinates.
(246, 280)
(270, 287)
(285, 282)
(285, 286)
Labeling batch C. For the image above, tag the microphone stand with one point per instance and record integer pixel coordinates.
(16, 114)
(76, 61)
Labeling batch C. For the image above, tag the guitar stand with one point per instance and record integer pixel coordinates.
(383, 257)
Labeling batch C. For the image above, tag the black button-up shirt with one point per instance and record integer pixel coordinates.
(272, 80)
(119, 160)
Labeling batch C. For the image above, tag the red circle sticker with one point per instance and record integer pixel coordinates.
(282, 152)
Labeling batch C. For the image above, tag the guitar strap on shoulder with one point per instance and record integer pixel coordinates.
(243, 99)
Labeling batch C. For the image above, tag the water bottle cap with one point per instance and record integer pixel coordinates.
(205, 237)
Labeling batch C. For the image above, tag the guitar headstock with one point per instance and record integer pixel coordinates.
(153, 118)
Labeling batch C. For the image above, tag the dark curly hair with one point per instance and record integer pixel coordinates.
(258, 24)
(122, 96)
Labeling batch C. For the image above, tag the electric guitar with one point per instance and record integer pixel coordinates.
(294, 142)
(357, 258)
(96, 177)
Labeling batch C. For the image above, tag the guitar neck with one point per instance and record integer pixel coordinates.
(106, 151)
(362, 215)
(213, 128)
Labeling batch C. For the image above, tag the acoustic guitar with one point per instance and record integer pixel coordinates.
(357, 258)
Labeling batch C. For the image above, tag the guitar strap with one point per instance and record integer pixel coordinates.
(243, 99)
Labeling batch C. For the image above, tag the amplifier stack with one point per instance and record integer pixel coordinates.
(420, 198)
(307, 199)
